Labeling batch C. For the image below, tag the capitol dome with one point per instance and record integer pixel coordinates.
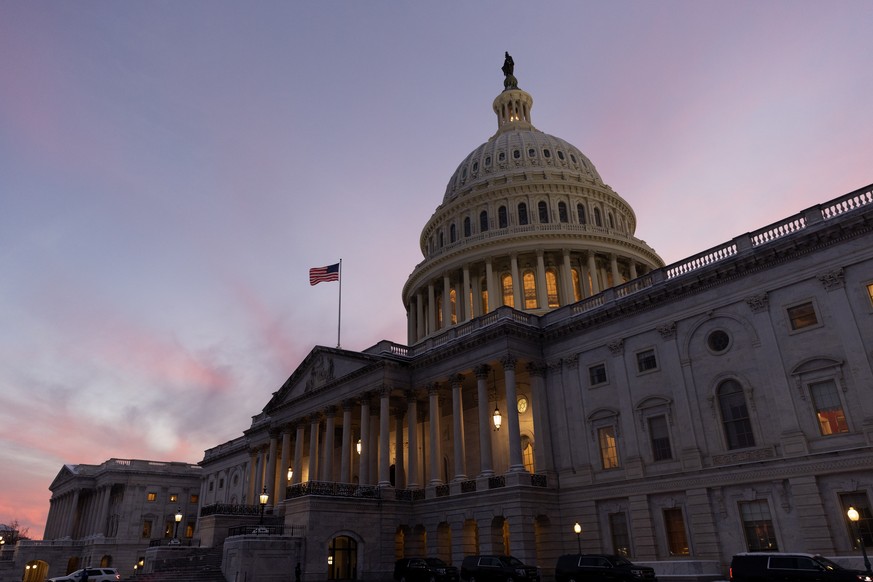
(526, 222)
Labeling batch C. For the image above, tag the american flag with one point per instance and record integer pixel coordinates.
(320, 274)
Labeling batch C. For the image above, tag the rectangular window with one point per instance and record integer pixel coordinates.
(173, 497)
(677, 541)
(597, 374)
(660, 436)
(608, 447)
(147, 529)
(168, 528)
(620, 536)
(870, 293)
(802, 315)
(195, 498)
(646, 360)
(151, 496)
(758, 526)
(863, 529)
(189, 530)
(828, 408)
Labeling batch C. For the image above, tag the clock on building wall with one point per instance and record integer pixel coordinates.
(522, 404)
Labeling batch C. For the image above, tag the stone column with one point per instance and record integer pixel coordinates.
(364, 468)
(435, 454)
(633, 269)
(399, 470)
(345, 465)
(613, 267)
(104, 509)
(517, 286)
(643, 528)
(419, 315)
(458, 428)
(447, 301)
(539, 411)
(271, 469)
(486, 467)
(297, 477)
(284, 464)
(329, 436)
(313, 448)
(253, 473)
(515, 461)
(71, 516)
(493, 293)
(542, 289)
(412, 432)
(569, 295)
(467, 299)
(431, 309)
(592, 272)
(384, 437)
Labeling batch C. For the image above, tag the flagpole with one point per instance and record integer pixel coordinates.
(340, 315)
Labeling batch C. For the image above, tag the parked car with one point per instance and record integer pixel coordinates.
(497, 569)
(424, 570)
(94, 575)
(781, 566)
(600, 567)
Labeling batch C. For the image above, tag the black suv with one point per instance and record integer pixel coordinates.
(497, 569)
(424, 570)
(772, 566)
(605, 567)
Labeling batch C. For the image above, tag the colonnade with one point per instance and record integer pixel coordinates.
(279, 460)
(79, 513)
(559, 278)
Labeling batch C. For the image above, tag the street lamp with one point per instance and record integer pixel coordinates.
(178, 518)
(578, 529)
(854, 516)
(263, 498)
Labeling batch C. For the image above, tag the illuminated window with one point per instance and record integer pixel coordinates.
(870, 293)
(502, 219)
(580, 212)
(597, 374)
(439, 310)
(620, 536)
(735, 415)
(552, 288)
(543, 210)
(508, 294)
(147, 528)
(660, 436)
(168, 528)
(597, 220)
(453, 306)
(677, 540)
(467, 231)
(189, 530)
(522, 214)
(483, 221)
(562, 212)
(527, 453)
(858, 500)
(484, 297)
(173, 498)
(828, 408)
(802, 315)
(758, 526)
(195, 498)
(530, 290)
(151, 496)
(646, 361)
(608, 447)
(577, 284)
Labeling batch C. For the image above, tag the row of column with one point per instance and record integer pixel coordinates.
(269, 463)
(593, 277)
(79, 513)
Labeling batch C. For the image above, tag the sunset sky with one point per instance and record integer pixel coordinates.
(169, 171)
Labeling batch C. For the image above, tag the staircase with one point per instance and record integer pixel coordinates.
(204, 565)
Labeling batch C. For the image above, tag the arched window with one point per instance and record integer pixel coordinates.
(441, 239)
(552, 288)
(580, 210)
(483, 221)
(439, 310)
(530, 289)
(597, 220)
(577, 284)
(502, 220)
(467, 226)
(527, 451)
(543, 211)
(453, 233)
(735, 415)
(484, 296)
(611, 220)
(562, 212)
(453, 306)
(522, 213)
(508, 294)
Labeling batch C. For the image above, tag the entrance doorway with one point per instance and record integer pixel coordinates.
(342, 559)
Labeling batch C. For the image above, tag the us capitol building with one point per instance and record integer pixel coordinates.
(556, 372)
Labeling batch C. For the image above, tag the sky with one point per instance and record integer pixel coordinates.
(169, 172)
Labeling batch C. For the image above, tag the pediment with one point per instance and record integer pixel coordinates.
(815, 364)
(65, 474)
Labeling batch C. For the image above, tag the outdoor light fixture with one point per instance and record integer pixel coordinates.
(578, 529)
(290, 472)
(854, 516)
(497, 418)
(178, 518)
(358, 446)
(263, 499)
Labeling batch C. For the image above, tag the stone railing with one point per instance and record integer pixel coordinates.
(229, 509)
(331, 489)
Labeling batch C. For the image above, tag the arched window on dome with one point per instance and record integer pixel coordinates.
(577, 284)
(502, 219)
(483, 221)
(543, 209)
(484, 295)
(562, 212)
(611, 220)
(735, 415)
(453, 306)
(552, 288)
(453, 233)
(597, 220)
(530, 289)
(467, 231)
(580, 211)
(508, 294)
(522, 213)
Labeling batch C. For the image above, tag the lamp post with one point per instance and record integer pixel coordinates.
(578, 529)
(263, 499)
(854, 516)
(178, 518)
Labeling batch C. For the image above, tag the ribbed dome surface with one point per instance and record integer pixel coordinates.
(511, 151)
